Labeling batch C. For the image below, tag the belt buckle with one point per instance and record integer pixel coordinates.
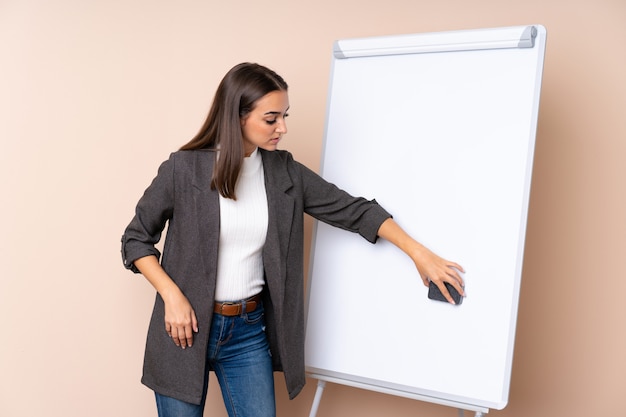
(227, 304)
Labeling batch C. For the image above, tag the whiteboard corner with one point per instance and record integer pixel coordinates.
(501, 405)
(337, 51)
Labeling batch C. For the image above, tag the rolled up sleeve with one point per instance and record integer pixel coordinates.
(152, 212)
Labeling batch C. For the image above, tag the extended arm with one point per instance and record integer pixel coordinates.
(430, 266)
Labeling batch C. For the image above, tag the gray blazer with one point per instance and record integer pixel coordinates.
(180, 195)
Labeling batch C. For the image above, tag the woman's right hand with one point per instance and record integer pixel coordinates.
(180, 318)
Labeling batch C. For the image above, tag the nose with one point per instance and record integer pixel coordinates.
(281, 126)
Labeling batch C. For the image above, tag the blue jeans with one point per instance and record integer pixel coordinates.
(239, 355)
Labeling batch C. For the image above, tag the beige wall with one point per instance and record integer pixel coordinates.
(95, 94)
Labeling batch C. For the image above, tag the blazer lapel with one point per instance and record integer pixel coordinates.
(280, 210)
(208, 214)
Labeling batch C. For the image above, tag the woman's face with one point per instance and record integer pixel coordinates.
(264, 126)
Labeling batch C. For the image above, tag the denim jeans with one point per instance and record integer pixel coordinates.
(239, 355)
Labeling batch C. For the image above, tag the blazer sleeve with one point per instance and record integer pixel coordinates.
(153, 210)
(328, 203)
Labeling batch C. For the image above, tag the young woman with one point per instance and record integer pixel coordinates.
(230, 281)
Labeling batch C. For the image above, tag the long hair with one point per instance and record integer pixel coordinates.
(235, 98)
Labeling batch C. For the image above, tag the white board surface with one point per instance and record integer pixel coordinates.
(440, 129)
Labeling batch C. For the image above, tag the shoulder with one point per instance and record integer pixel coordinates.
(281, 160)
(277, 156)
(186, 166)
(284, 159)
(184, 160)
(194, 155)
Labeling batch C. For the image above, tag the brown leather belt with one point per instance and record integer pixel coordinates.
(235, 309)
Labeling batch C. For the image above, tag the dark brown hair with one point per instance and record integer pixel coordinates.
(234, 99)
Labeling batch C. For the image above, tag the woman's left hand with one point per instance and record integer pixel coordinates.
(430, 266)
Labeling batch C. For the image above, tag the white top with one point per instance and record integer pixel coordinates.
(243, 228)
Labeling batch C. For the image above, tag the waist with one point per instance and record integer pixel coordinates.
(236, 308)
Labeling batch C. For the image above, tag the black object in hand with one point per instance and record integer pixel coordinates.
(434, 293)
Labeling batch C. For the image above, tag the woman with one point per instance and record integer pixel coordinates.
(230, 281)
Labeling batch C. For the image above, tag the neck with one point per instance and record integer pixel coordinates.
(250, 152)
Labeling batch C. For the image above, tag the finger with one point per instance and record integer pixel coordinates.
(194, 321)
(188, 336)
(456, 266)
(182, 336)
(446, 293)
(178, 335)
(175, 338)
(457, 282)
(168, 329)
(454, 273)
(459, 287)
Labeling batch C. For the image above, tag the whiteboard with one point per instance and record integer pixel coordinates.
(440, 129)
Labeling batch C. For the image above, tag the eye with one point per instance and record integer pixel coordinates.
(273, 121)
